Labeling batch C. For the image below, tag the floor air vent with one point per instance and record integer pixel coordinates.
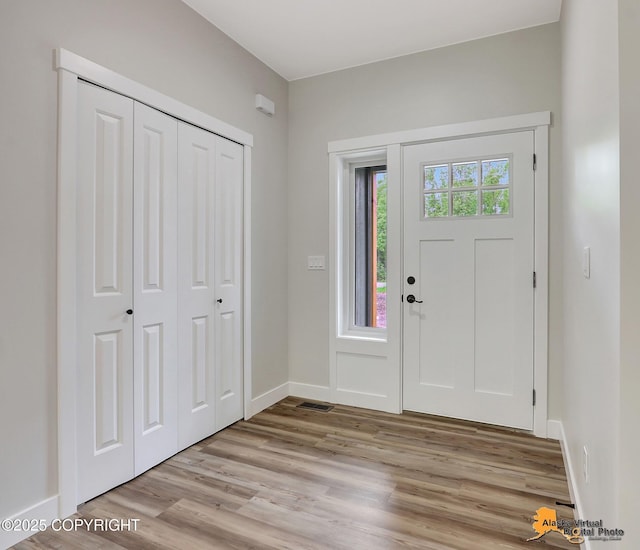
(315, 406)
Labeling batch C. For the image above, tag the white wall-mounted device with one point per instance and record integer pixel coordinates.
(586, 262)
(315, 263)
(265, 105)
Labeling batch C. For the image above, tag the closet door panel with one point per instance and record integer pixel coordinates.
(196, 289)
(155, 287)
(228, 264)
(105, 343)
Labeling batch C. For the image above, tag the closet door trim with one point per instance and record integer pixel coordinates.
(71, 68)
(97, 74)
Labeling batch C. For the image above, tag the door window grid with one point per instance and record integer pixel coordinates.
(470, 188)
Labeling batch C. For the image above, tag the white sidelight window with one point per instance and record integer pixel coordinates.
(370, 247)
(362, 240)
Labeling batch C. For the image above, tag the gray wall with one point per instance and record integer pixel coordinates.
(591, 180)
(164, 45)
(629, 473)
(504, 75)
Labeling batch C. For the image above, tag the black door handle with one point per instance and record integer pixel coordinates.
(219, 300)
(129, 312)
(411, 299)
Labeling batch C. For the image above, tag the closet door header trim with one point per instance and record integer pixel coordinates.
(97, 74)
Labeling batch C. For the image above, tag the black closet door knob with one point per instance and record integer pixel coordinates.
(129, 312)
(219, 300)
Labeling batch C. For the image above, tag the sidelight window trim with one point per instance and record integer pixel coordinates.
(346, 235)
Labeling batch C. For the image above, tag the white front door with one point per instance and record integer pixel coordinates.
(468, 279)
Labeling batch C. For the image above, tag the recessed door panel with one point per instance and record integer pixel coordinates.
(201, 218)
(228, 374)
(227, 216)
(153, 366)
(109, 192)
(438, 334)
(152, 207)
(107, 376)
(200, 362)
(494, 330)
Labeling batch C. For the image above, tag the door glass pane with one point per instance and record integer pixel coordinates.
(380, 179)
(370, 284)
(436, 205)
(495, 202)
(465, 203)
(465, 174)
(495, 172)
(436, 177)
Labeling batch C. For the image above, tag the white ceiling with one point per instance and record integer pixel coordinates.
(300, 38)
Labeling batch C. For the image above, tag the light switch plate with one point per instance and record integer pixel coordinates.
(586, 262)
(585, 464)
(315, 263)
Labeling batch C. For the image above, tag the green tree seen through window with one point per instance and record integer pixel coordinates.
(382, 226)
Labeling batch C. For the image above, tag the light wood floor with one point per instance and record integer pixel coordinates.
(348, 479)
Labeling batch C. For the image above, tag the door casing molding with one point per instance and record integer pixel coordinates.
(341, 152)
(71, 68)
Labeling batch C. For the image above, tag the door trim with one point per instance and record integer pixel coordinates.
(515, 123)
(71, 68)
(340, 153)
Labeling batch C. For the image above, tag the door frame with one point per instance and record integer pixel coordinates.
(71, 68)
(341, 153)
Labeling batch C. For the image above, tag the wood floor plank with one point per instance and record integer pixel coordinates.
(234, 530)
(351, 478)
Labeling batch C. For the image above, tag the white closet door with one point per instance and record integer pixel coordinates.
(196, 286)
(105, 344)
(228, 268)
(155, 266)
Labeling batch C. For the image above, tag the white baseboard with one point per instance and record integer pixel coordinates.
(268, 398)
(365, 400)
(296, 389)
(309, 391)
(47, 510)
(556, 427)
